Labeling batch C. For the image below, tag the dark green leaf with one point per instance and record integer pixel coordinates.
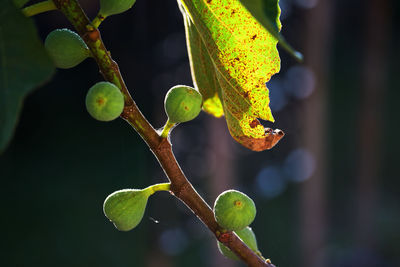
(24, 65)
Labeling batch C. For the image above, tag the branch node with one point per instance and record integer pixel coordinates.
(93, 34)
(179, 189)
(225, 238)
(128, 110)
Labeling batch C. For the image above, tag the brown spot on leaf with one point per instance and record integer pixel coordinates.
(254, 123)
(254, 36)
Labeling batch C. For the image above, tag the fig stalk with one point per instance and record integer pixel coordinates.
(167, 128)
(38, 8)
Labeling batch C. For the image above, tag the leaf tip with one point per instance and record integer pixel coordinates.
(270, 139)
(298, 56)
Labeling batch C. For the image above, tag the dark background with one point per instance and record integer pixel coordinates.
(326, 195)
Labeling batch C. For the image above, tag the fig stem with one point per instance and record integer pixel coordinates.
(167, 128)
(38, 8)
(157, 187)
(98, 20)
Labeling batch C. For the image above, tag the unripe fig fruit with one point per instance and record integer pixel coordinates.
(182, 103)
(66, 48)
(104, 101)
(247, 236)
(112, 7)
(234, 210)
(125, 208)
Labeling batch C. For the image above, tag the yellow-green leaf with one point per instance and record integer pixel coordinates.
(203, 72)
(243, 56)
(267, 13)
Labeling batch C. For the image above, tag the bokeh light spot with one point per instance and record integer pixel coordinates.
(173, 241)
(307, 4)
(270, 181)
(300, 82)
(299, 165)
(277, 95)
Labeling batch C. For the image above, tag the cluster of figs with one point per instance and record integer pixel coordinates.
(104, 100)
(233, 210)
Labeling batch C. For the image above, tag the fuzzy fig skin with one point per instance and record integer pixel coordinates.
(234, 210)
(125, 208)
(248, 237)
(104, 101)
(113, 7)
(66, 48)
(182, 103)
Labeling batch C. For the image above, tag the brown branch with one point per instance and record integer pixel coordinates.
(160, 147)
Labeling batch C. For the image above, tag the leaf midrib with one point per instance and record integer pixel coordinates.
(237, 90)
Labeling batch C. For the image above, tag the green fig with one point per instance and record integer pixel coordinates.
(112, 7)
(247, 236)
(182, 103)
(104, 101)
(125, 208)
(233, 210)
(66, 48)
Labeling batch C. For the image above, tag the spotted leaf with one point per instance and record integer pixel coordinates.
(232, 58)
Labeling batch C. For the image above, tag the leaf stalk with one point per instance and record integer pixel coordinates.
(38, 8)
(158, 187)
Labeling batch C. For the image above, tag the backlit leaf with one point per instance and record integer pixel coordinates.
(267, 13)
(203, 71)
(243, 56)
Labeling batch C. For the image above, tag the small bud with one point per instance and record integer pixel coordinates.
(125, 208)
(104, 101)
(247, 236)
(182, 103)
(234, 210)
(66, 48)
(113, 7)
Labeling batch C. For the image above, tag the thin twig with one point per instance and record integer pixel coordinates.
(160, 147)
